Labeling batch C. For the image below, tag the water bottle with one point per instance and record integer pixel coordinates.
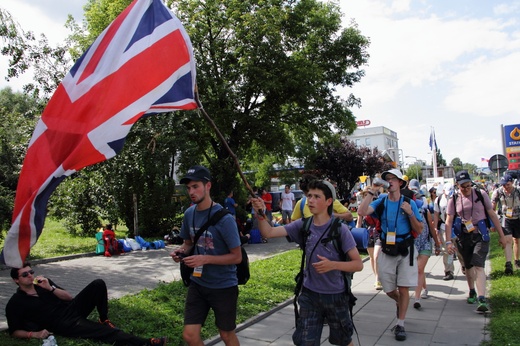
(50, 341)
(381, 182)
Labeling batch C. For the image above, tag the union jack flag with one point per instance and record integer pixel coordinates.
(141, 64)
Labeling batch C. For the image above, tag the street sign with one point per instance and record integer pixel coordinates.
(498, 163)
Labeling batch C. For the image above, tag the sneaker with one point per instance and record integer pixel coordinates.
(378, 286)
(424, 294)
(517, 264)
(482, 306)
(472, 299)
(448, 276)
(417, 305)
(158, 341)
(509, 269)
(400, 334)
(107, 322)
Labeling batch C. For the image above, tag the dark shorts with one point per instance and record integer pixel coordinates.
(512, 227)
(222, 301)
(472, 249)
(314, 307)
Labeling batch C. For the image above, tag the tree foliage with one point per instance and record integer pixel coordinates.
(344, 163)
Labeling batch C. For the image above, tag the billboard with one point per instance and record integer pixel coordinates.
(511, 135)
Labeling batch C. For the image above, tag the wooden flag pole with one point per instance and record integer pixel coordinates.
(224, 143)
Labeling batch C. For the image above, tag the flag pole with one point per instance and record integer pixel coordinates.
(434, 153)
(224, 143)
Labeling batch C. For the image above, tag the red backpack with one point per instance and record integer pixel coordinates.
(111, 243)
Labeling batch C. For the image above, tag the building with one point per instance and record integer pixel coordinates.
(382, 138)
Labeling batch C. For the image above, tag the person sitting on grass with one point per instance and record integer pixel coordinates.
(40, 308)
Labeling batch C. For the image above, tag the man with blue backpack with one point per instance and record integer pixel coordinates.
(329, 252)
(397, 264)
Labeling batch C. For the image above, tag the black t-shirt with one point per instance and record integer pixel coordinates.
(34, 313)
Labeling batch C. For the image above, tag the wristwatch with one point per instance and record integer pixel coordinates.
(53, 288)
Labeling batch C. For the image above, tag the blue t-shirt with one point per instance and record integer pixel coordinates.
(331, 282)
(229, 204)
(394, 219)
(217, 240)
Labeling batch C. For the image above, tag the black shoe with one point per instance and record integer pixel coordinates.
(448, 276)
(158, 341)
(509, 269)
(517, 264)
(417, 305)
(400, 334)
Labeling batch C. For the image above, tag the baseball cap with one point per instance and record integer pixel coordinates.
(414, 184)
(197, 173)
(448, 189)
(505, 179)
(331, 188)
(462, 177)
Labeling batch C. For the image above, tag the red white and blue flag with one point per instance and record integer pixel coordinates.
(141, 64)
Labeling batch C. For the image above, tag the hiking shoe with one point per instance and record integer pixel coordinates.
(107, 322)
(448, 276)
(417, 305)
(472, 299)
(517, 264)
(424, 294)
(158, 341)
(378, 286)
(482, 306)
(400, 334)
(509, 269)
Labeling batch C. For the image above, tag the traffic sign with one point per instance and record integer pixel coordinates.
(498, 163)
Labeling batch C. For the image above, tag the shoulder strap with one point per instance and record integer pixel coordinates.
(381, 207)
(219, 214)
(479, 198)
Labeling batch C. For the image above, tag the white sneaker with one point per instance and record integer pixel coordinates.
(424, 294)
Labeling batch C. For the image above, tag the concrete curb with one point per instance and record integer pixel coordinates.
(55, 259)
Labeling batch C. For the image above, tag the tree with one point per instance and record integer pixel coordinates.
(457, 164)
(344, 163)
(440, 160)
(414, 172)
(18, 120)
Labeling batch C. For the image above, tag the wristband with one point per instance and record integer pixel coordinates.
(29, 336)
(448, 242)
(370, 193)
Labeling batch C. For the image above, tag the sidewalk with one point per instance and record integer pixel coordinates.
(445, 317)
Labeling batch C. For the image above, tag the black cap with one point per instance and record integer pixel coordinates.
(196, 173)
(462, 177)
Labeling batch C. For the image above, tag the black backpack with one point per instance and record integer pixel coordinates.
(243, 273)
(334, 236)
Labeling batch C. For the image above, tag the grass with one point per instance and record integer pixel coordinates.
(505, 300)
(159, 312)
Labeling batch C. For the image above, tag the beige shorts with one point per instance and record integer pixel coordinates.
(396, 271)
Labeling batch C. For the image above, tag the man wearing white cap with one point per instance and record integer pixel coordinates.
(439, 218)
(397, 264)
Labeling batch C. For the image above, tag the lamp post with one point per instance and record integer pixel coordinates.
(416, 160)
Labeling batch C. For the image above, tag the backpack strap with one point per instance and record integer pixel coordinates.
(213, 220)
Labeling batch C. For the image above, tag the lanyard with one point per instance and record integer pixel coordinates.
(462, 206)
(396, 215)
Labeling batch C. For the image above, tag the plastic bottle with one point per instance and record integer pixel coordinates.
(381, 182)
(50, 341)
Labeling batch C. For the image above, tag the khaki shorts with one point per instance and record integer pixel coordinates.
(396, 271)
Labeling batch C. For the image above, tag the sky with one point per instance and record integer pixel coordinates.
(442, 65)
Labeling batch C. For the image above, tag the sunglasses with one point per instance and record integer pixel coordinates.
(27, 273)
(467, 186)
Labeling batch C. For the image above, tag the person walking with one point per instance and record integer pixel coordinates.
(214, 283)
(508, 197)
(472, 233)
(439, 221)
(397, 262)
(287, 204)
(323, 294)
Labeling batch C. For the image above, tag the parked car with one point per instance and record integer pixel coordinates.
(298, 194)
